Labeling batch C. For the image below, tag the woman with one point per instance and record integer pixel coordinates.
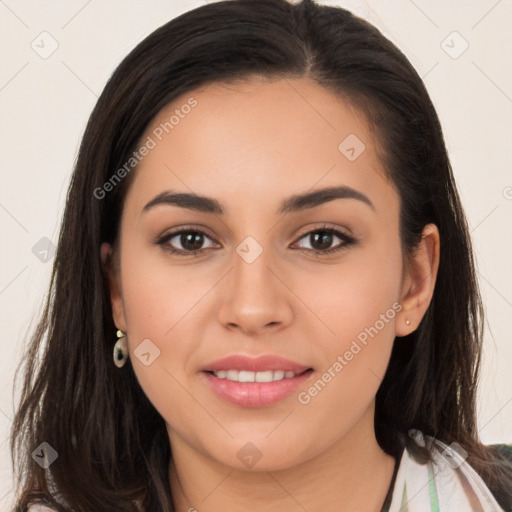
(263, 210)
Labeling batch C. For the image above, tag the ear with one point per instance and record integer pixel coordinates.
(419, 281)
(116, 299)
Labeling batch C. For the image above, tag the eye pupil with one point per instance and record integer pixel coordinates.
(324, 237)
(191, 241)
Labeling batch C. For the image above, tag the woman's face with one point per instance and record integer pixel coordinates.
(258, 289)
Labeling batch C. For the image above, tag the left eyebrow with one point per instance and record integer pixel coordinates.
(292, 204)
(321, 196)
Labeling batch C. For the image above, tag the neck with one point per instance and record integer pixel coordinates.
(353, 474)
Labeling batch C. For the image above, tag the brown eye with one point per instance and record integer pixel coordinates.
(321, 240)
(185, 241)
(190, 241)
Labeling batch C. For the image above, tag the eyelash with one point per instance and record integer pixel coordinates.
(347, 241)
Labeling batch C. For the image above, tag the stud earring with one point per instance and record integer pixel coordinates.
(407, 322)
(120, 350)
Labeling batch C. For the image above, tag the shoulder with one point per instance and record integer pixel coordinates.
(447, 481)
(503, 494)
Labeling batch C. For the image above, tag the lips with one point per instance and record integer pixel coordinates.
(255, 381)
(247, 376)
(255, 364)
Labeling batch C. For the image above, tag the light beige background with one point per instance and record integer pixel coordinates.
(45, 103)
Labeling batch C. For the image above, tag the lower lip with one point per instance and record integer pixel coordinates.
(255, 394)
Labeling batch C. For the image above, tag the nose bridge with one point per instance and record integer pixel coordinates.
(251, 261)
(255, 297)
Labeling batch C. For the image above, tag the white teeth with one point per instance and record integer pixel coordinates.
(279, 375)
(246, 376)
(264, 376)
(232, 374)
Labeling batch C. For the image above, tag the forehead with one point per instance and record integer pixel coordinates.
(259, 139)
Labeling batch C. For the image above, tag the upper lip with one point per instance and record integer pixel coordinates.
(254, 364)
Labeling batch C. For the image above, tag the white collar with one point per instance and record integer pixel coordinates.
(449, 483)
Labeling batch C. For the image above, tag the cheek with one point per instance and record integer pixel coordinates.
(159, 304)
(360, 308)
(359, 301)
(353, 295)
(159, 297)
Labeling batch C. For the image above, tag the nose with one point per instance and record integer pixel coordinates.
(255, 298)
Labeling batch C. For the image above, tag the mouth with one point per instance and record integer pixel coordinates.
(249, 364)
(255, 382)
(263, 376)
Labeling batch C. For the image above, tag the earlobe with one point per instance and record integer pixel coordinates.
(116, 299)
(419, 283)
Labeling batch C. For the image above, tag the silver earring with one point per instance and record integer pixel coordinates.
(120, 350)
(407, 322)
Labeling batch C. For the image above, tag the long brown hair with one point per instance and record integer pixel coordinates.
(112, 445)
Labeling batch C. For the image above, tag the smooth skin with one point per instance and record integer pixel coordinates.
(250, 146)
